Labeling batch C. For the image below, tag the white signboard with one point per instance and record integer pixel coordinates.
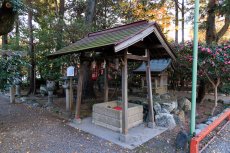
(70, 71)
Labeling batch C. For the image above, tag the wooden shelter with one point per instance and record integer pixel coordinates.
(158, 68)
(141, 40)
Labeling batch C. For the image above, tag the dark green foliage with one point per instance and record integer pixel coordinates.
(11, 68)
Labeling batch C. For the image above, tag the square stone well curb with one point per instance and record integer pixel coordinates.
(105, 115)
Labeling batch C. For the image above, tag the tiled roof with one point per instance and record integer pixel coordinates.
(109, 37)
(155, 66)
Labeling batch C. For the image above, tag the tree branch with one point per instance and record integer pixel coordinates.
(224, 28)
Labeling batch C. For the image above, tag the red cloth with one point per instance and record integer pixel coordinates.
(117, 108)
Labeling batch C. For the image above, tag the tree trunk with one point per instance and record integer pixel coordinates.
(176, 21)
(32, 89)
(5, 42)
(215, 99)
(182, 24)
(201, 92)
(88, 90)
(60, 15)
(90, 12)
(17, 33)
(210, 24)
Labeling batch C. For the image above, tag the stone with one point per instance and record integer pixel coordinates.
(184, 104)
(50, 85)
(181, 116)
(182, 140)
(187, 105)
(220, 101)
(156, 98)
(157, 108)
(165, 96)
(43, 90)
(170, 106)
(177, 120)
(197, 131)
(18, 90)
(23, 99)
(201, 126)
(165, 120)
(36, 105)
(163, 110)
(212, 119)
(226, 102)
(208, 122)
(151, 125)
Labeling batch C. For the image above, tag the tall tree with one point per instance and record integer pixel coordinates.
(90, 12)
(88, 90)
(183, 20)
(60, 10)
(176, 21)
(213, 9)
(32, 71)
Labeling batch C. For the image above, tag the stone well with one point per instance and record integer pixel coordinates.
(105, 115)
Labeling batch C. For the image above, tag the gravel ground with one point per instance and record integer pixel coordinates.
(221, 144)
(25, 129)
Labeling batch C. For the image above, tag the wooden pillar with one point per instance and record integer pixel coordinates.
(79, 92)
(125, 95)
(71, 93)
(150, 96)
(67, 95)
(106, 86)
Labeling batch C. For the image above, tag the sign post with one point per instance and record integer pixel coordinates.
(70, 74)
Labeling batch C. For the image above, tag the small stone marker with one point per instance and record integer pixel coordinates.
(182, 140)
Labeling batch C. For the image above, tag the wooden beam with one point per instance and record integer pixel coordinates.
(79, 91)
(150, 96)
(106, 86)
(125, 95)
(157, 46)
(136, 57)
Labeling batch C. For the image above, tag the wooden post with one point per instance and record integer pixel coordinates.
(106, 86)
(67, 95)
(71, 93)
(79, 92)
(12, 95)
(125, 95)
(150, 96)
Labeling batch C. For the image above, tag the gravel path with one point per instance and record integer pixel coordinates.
(24, 129)
(221, 144)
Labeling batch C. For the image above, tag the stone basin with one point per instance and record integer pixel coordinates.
(105, 115)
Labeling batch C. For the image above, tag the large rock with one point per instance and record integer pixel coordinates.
(157, 108)
(226, 102)
(165, 120)
(197, 131)
(182, 140)
(165, 96)
(156, 97)
(181, 116)
(201, 126)
(170, 106)
(163, 110)
(184, 104)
